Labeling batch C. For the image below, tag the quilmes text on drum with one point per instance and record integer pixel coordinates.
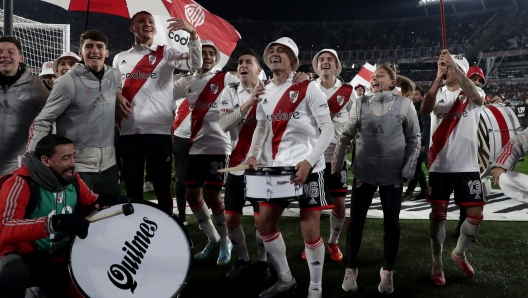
(272, 183)
(497, 125)
(145, 254)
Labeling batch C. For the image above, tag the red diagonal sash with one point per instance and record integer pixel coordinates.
(205, 100)
(283, 112)
(181, 114)
(244, 138)
(444, 130)
(146, 65)
(339, 99)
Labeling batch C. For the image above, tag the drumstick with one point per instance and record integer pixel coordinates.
(238, 168)
(126, 209)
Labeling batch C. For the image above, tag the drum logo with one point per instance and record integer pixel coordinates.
(121, 274)
(294, 95)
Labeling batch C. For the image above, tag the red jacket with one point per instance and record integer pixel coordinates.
(16, 233)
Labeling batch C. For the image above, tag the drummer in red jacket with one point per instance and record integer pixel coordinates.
(42, 207)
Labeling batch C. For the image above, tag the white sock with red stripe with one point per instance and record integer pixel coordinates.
(336, 224)
(201, 213)
(437, 233)
(315, 254)
(468, 231)
(221, 227)
(262, 254)
(276, 247)
(238, 238)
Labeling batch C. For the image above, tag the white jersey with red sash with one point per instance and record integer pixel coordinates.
(339, 102)
(146, 74)
(290, 111)
(454, 138)
(182, 121)
(202, 91)
(241, 134)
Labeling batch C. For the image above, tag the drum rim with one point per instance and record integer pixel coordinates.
(185, 232)
(273, 171)
(285, 199)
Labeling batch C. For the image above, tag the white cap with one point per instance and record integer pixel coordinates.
(316, 57)
(65, 54)
(285, 41)
(47, 69)
(211, 44)
(514, 185)
(461, 62)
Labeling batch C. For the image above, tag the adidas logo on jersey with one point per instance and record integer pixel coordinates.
(123, 62)
(189, 91)
(442, 101)
(264, 101)
(5, 108)
(312, 202)
(100, 102)
(236, 106)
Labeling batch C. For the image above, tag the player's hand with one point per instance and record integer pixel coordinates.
(124, 107)
(446, 59)
(300, 77)
(495, 99)
(252, 162)
(180, 24)
(422, 149)
(442, 70)
(70, 224)
(496, 172)
(255, 96)
(303, 169)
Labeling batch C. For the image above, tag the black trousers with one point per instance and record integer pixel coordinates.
(158, 150)
(419, 175)
(391, 196)
(180, 149)
(106, 181)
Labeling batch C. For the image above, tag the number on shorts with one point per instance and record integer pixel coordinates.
(475, 187)
(215, 166)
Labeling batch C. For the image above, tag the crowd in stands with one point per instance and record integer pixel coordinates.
(514, 37)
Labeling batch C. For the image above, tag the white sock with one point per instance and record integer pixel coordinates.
(276, 247)
(437, 233)
(315, 254)
(238, 238)
(468, 231)
(221, 227)
(336, 224)
(262, 254)
(201, 213)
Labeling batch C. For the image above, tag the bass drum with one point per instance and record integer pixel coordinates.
(145, 254)
(498, 124)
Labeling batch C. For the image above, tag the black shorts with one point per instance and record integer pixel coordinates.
(180, 150)
(467, 187)
(235, 197)
(202, 171)
(337, 183)
(315, 195)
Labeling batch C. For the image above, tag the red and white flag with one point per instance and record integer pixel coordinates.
(208, 26)
(363, 78)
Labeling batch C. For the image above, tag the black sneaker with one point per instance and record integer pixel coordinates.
(183, 218)
(262, 270)
(240, 268)
(407, 196)
(421, 196)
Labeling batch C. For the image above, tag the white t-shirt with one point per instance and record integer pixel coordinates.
(454, 139)
(146, 74)
(206, 135)
(233, 97)
(339, 111)
(182, 121)
(293, 131)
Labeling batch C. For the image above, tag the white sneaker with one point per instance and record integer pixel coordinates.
(349, 282)
(148, 186)
(386, 283)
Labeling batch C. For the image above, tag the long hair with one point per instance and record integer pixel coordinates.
(407, 85)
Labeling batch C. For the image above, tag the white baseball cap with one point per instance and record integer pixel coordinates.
(47, 69)
(209, 43)
(65, 54)
(316, 57)
(514, 185)
(461, 62)
(285, 41)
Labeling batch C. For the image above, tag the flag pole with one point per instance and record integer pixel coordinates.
(87, 14)
(8, 17)
(442, 19)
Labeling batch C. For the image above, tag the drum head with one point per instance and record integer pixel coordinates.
(145, 254)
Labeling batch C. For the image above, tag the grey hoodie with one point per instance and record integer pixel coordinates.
(19, 105)
(84, 109)
(380, 105)
(512, 152)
